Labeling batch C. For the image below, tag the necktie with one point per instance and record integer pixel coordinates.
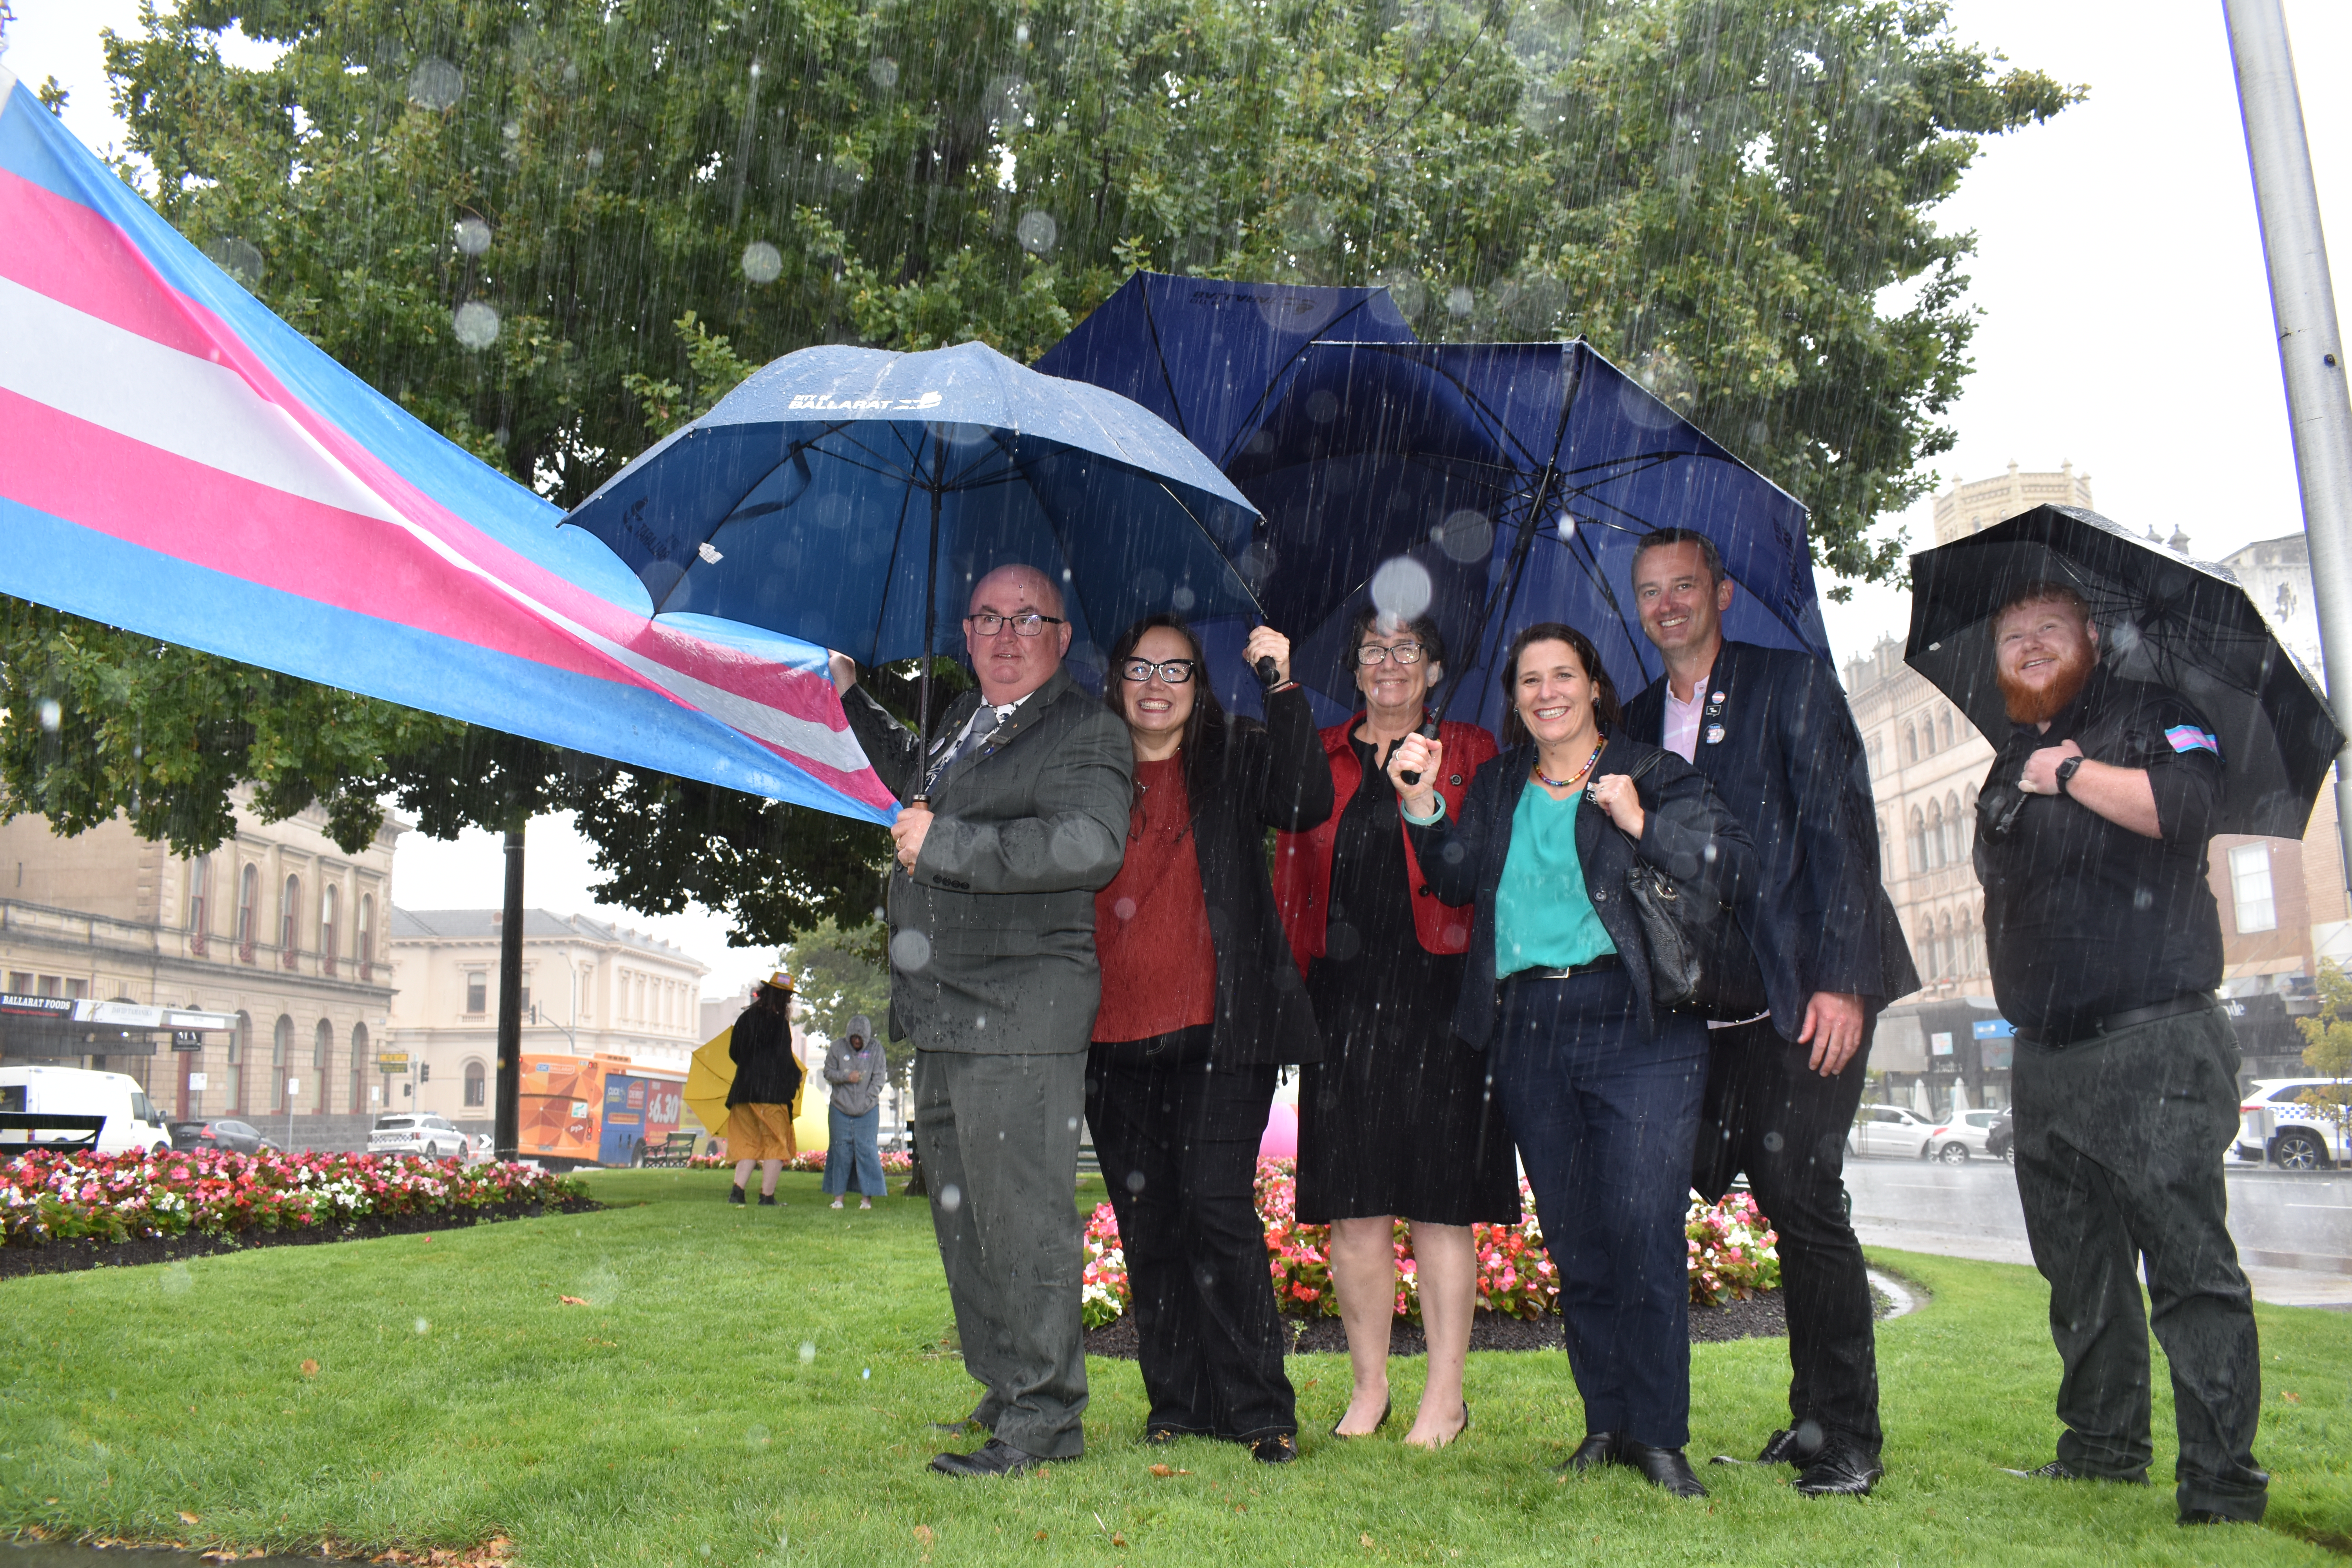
(974, 736)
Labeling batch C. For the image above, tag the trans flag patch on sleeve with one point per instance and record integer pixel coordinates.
(2190, 737)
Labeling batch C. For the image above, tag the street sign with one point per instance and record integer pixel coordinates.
(391, 1061)
(187, 1039)
(1993, 1029)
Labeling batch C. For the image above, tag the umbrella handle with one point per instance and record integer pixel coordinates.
(1412, 776)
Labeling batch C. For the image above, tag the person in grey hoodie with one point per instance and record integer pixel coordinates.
(858, 1070)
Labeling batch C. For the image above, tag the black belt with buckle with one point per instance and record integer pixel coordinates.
(2116, 1023)
(1606, 961)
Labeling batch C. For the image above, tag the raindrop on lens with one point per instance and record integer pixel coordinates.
(1459, 300)
(1038, 232)
(1183, 598)
(1773, 1142)
(951, 1197)
(1401, 588)
(1466, 535)
(762, 262)
(595, 159)
(424, 1326)
(883, 72)
(475, 324)
(867, 1374)
(436, 84)
(1135, 1180)
(808, 1352)
(473, 235)
(755, 1436)
(237, 258)
(52, 715)
(1021, 33)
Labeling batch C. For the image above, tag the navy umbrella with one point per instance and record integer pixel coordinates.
(1492, 485)
(851, 497)
(2162, 618)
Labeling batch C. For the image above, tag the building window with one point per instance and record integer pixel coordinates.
(1935, 835)
(1915, 843)
(1953, 841)
(2249, 885)
(477, 1086)
(329, 905)
(359, 1068)
(20, 982)
(248, 895)
(1951, 953)
(477, 992)
(1928, 953)
(1910, 744)
(200, 887)
(1968, 823)
(281, 1055)
(240, 1052)
(290, 909)
(366, 952)
(1944, 723)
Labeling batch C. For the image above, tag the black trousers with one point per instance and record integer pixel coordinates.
(1768, 1114)
(2119, 1148)
(1179, 1150)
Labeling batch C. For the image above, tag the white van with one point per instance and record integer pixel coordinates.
(132, 1122)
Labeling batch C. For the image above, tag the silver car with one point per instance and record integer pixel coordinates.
(415, 1132)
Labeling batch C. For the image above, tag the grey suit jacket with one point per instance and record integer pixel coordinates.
(993, 933)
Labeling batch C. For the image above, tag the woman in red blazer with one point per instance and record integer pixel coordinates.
(1395, 1121)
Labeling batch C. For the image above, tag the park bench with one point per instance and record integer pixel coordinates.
(67, 1133)
(674, 1150)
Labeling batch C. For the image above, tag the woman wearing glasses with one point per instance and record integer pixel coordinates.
(1201, 1006)
(1395, 1121)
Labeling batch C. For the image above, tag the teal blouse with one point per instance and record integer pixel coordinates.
(1543, 917)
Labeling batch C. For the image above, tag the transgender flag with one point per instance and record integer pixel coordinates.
(177, 461)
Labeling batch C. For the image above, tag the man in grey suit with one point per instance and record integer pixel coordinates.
(1020, 818)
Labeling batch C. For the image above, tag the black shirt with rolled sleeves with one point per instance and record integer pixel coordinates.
(2084, 918)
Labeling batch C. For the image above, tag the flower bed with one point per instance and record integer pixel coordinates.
(1732, 1256)
(894, 1161)
(48, 1197)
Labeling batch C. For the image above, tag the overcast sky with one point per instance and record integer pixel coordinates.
(2126, 318)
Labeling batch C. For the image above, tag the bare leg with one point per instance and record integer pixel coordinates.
(769, 1169)
(743, 1172)
(1363, 1271)
(1446, 1266)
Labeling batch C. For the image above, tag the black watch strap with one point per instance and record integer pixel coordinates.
(2066, 771)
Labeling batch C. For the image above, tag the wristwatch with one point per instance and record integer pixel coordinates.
(2066, 773)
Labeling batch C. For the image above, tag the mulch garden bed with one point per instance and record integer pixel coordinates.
(72, 1256)
(1760, 1317)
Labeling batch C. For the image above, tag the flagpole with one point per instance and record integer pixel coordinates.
(2310, 346)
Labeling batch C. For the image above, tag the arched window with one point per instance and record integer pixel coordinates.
(1971, 961)
(359, 1068)
(1927, 953)
(281, 1057)
(366, 950)
(248, 913)
(1951, 954)
(200, 888)
(1910, 744)
(1935, 834)
(290, 909)
(1916, 842)
(1943, 725)
(240, 1052)
(1928, 736)
(329, 905)
(1969, 820)
(1956, 850)
(478, 1085)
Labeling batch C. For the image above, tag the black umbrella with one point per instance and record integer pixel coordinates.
(2162, 618)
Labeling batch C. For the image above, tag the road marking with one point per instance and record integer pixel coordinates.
(2339, 1208)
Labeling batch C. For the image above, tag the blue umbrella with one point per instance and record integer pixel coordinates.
(851, 497)
(1450, 466)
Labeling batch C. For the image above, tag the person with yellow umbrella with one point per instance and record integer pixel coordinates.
(766, 1080)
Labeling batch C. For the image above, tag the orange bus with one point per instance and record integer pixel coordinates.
(594, 1111)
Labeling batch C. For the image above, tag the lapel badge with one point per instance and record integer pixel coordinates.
(1715, 734)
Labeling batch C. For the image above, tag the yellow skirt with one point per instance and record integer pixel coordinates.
(760, 1132)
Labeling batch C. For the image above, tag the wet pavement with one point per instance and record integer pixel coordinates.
(2293, 1231)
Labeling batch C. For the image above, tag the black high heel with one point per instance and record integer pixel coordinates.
(1386, 1406)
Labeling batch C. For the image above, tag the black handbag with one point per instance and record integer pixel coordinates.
(1699, 958)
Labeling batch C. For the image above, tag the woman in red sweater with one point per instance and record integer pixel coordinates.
(1202, 1004)
(1395, 1121)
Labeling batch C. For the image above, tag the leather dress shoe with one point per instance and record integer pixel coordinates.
(1664, 1468)
(994, 1457)
(1839, 1469)
(1598, 1448)
(2060, 1470)
(1782, 1448)
(1279, 1448)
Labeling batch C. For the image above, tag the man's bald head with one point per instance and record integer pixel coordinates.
(1011, 666)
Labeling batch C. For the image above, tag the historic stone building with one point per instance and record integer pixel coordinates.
(588, 987)
(1967, 508)
(277, 927)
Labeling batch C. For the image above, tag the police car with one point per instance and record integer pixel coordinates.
(2274, 1124)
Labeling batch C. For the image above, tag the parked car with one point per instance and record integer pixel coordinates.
(415, 1132)
(2000, 1138)
(1890, 1129)
(2274, 1124)
(230, 1137)
(131, 1123)
(1964, 1137)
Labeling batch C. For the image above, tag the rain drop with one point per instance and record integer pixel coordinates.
(1773, 1142)
(1135, 1180)
(755, 70)
(237, 258)
(910, 951)
(595, 159)
(808, 1352)
(473, 235)
(883, 72)
(762, 262)
(756, 1437)
(1038, 232)
(1322, 406)
(1182, 599)
(1074, 1125)
(1124, 909)
(1459, 300)
(1465, 535)
(1021, 33)
(424, 1326)
(867, 1374)
(52, 715)
(1401, 588)
(475, 324)
(436, 84)
(951, 1197)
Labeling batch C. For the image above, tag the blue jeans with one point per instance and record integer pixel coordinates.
(851, 1156)
(1605, 1122)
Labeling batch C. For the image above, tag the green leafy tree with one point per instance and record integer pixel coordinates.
(553, 227)
(2328, 1050)
(843, 973)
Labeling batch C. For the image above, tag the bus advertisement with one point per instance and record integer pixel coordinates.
(594, 1111)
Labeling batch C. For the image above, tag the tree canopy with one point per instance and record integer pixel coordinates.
(553, 228)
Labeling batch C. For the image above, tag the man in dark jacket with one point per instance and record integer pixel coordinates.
(767, 1076)
(993, 972)
(1773, 733)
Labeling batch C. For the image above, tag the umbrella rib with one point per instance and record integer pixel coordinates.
(1320, 334)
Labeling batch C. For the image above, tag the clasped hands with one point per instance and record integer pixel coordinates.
(2041, 773)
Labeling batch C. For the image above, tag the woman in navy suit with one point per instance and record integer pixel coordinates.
(1601, 1090)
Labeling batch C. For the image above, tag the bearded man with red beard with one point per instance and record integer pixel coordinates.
(2105, 948)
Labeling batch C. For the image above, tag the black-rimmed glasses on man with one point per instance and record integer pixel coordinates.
(1404, 653)
(1174, 671)
(988, 623)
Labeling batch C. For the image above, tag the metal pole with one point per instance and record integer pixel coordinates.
(507, 1135)
(2311, 351)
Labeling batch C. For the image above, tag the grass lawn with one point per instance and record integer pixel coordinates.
(751, 1387)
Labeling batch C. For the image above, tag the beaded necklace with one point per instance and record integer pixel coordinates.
(1572, 780)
